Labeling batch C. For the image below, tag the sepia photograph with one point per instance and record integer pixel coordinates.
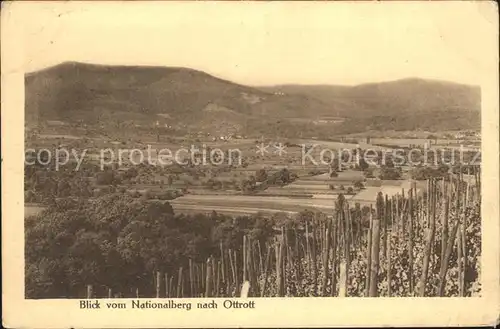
(271, 151)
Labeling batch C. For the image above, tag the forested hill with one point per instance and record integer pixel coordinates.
(392, 98)
(96, 94)
(76, 91)
(405, 104)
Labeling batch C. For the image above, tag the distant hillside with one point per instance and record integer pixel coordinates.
(402, 104)
(129, 95)
(96, 93)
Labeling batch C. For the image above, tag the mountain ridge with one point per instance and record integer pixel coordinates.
(94, 93)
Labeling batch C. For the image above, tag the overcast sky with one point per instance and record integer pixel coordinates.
(262, 43)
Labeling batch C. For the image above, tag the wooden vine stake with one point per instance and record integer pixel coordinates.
(334, 255)
(326, 249)
(208, 279)
(343, 279)
(158, 282)
(389, 266)
(375, 255)
(410, 239)
(89, 291)
(369, 256)
(179, 283)
(460, 265)
(429, 242)
(167, 293)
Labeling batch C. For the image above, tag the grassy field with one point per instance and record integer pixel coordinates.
(312, 192)
(249, 204)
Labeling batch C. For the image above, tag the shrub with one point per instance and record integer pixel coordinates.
(260, 175)
(105, 178)
(388, 173)
(363, 165)
(423, 173)
(369, 173)
(358, 184)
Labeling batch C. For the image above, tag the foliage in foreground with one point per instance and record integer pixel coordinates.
(117, 241)
(120, 243)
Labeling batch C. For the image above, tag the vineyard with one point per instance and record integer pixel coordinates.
(409, 244)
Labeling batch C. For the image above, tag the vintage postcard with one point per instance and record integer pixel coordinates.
(249, 164)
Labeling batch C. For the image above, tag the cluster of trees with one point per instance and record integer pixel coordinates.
(362, 165)
(442, 171)
(425, 172)
(280, 178)
(358, 184)
(44, 183)
(117, 241)
(368, 173)
(390, 173)
(246, 184)
(161, 195)
(141, 174)
(261, 175)
(42, 186)
(350, 189)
